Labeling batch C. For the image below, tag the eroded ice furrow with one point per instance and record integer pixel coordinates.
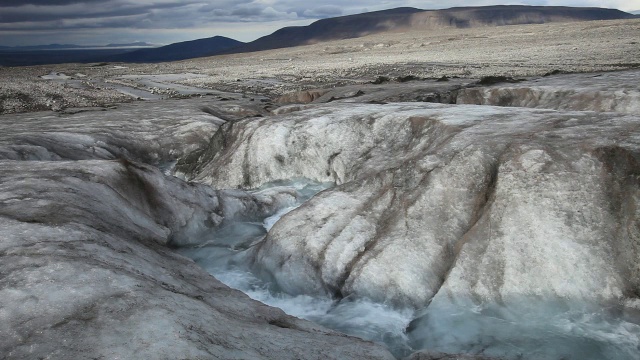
(517, 329)
(604, 92)
(228, 254)
(510, 232)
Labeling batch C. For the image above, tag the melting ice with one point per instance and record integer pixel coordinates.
(527, 329)
(226, 258)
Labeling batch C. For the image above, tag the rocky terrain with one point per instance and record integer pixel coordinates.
(516, 51)
(489, 215)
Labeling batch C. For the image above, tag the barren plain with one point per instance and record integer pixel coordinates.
(517, 51)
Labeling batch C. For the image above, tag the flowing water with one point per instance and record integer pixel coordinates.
(526, 329)
(227, 260)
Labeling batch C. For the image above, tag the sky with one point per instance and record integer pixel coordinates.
(101, 22)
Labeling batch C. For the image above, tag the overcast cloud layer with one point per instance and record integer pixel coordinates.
(30, 22)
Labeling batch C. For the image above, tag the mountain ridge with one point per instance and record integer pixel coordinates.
(399, 19)
(75, 46)
(336, 28)
(179, 51)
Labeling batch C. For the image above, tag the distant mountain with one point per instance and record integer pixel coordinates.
(12, 57)
(464, 17)
(178, 51)
(133, 44)
(63, 53)
(40, 47)
(343, 27)
(73, 47)
(402, 19)
(635, 12)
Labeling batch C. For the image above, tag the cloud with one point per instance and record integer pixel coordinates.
(10, 3)
(77, 10)
(273, 14)
(162, 14)
(323, 11)
(245, 11)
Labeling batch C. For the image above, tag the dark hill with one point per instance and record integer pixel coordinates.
(133, 44)
(12, 57)
(343, 27)
(178, 51)
(402, 19)
(500, 15)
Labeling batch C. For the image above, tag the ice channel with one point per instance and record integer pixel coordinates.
(540, 329)
(226, 259)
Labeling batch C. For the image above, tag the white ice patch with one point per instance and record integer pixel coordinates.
(273, 219)
(55, 76)
(304, 188)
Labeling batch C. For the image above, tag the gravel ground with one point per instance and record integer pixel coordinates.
(519, 50)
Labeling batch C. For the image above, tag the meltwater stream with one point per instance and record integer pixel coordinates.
(527, 328)
(225, 259)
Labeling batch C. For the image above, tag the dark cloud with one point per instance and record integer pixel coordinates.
(69, 15)
(247, 11)
(10, 3)
(199, 11)
(323, 11)
(42, 17)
